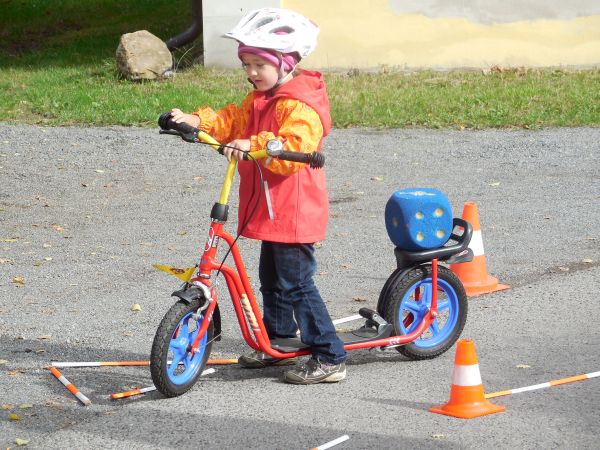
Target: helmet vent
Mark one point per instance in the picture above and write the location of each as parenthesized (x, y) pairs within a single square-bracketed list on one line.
[(283, 30), (263, 22)]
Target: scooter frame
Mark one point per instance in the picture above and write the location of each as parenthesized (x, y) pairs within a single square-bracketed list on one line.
[(244, 301)]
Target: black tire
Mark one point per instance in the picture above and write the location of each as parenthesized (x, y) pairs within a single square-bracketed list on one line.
[(385, 291), (174, 381), (404, 311)]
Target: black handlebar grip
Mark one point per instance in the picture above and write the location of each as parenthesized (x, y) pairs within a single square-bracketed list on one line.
[(167, 123), (316, 160)]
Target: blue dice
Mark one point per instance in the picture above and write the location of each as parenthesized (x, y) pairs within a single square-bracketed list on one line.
[(418, 219)]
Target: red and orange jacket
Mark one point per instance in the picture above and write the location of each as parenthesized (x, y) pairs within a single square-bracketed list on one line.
[(294, 206)]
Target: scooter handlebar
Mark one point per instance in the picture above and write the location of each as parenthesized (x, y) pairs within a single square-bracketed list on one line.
[(166, 122), (315, 160)]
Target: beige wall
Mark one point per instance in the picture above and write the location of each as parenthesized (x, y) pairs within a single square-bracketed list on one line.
[(370, 34), (438, 34)]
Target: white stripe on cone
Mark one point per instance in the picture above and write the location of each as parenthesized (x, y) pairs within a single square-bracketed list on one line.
[(466, 375), (476, 243)]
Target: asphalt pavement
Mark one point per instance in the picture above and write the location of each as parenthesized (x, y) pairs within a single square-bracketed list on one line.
[(85, 212)]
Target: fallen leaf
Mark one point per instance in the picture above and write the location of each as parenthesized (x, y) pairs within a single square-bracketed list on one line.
[(57, 227), (359, 299), (44, 337), (3, 361), (523, 366), (45, 245), (21, 441), (136, 308), (318, 245), (127, 333), (344, 330), (377, 178), (13, 416), (182, 233), (588, 261), (5, 261), (7, 406), (16, 372), (25, 406), (346, 266), (563, 269), (495, 184), (437, 435), (48, 258), (9, 240), (99, 171), (19, 280)]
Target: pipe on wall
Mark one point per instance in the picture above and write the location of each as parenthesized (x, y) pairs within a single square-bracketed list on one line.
[(192, 32)]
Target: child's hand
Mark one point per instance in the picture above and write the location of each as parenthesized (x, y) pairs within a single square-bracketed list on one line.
[(180, 117), (240, 146)]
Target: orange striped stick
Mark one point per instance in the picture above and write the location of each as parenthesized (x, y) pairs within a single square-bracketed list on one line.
[(221, 362), (332, 443), (132, 392), (99, 363), (147, 389), (534, 387), (212, 362), (72, 389)]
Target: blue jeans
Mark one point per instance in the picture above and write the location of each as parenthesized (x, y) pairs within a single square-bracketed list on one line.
[(288, 291)]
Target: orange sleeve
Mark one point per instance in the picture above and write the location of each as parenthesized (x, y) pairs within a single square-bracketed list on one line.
[(300, 130), (226, 124)]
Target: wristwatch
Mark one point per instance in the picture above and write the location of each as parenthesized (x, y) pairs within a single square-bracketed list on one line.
[(274, 147)]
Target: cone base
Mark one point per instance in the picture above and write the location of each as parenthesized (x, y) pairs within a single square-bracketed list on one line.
[(469, 411), (490, 284)]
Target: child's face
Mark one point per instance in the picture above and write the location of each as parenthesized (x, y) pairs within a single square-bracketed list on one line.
[(261, 72)]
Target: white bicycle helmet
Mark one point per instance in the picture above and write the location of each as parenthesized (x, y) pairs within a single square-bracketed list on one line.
[(281, 30)]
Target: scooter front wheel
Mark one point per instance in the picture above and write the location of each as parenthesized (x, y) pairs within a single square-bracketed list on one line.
[(409, 300), (173, 367)]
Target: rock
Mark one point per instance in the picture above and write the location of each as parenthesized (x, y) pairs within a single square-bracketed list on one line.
[(143, 56)]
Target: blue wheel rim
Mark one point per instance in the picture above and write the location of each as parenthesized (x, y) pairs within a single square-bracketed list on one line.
[(181, 366), (412, 311)]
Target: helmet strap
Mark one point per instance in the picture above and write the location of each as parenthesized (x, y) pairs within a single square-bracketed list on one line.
[(283, 77)]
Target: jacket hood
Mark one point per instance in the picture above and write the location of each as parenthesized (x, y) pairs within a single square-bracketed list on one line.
[(309, 87)]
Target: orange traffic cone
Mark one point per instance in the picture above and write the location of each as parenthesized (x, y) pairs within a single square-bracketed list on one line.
[(467, 399), (474, 274)]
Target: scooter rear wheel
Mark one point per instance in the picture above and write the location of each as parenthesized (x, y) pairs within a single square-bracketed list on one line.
[(407, 299), (174, 369)]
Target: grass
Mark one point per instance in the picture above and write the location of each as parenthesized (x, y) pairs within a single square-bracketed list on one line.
[(57, 67)]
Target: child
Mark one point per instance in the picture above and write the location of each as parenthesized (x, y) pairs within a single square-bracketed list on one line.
[(289, 106)]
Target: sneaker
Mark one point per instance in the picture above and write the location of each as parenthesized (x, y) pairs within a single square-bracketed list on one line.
[(256, 360), (315, 371)]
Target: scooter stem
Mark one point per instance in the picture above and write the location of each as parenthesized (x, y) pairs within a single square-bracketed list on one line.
[(434, 287)]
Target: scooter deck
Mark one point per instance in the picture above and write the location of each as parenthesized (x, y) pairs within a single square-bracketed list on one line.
[(363, 334)]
